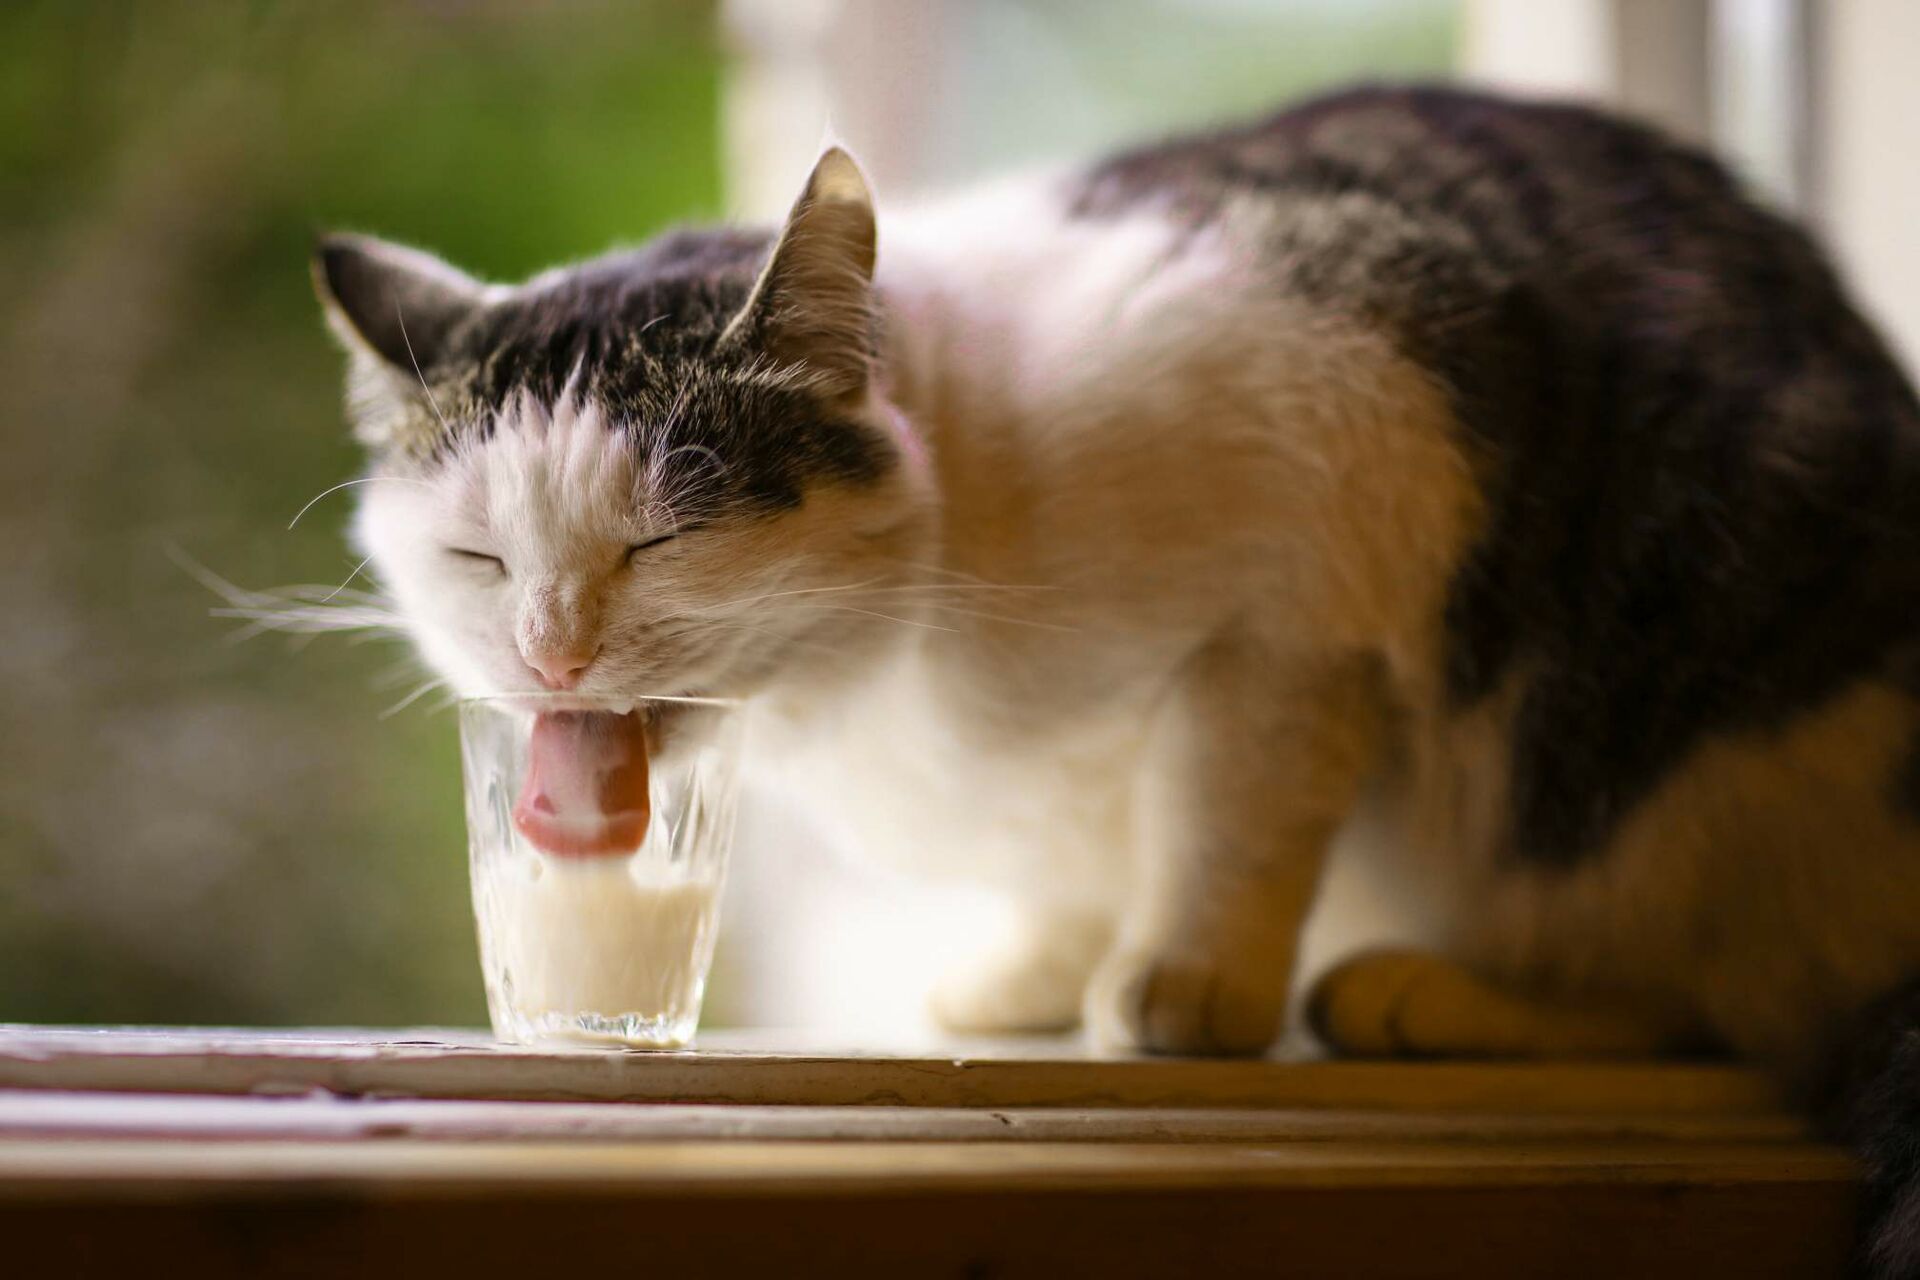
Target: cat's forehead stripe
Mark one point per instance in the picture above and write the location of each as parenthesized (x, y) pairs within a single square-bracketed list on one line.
[(636, 335)]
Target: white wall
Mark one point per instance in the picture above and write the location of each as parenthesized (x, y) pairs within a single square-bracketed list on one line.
[(1816, 102), (1648, 57), (1548, 47), (1867, 111)]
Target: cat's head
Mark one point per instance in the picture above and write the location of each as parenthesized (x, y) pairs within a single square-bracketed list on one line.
[(667, 471)]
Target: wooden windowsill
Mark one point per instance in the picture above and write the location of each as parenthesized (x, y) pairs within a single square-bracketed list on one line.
[(262, 1152)]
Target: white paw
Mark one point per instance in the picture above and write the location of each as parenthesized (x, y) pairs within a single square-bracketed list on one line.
[(998, 998), (1032, 985), (1185, 1002)]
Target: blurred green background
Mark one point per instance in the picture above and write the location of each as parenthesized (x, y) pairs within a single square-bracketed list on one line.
[(197, 830), (190, 829)]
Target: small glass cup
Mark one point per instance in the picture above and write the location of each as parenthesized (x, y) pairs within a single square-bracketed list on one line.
[(609, 948)]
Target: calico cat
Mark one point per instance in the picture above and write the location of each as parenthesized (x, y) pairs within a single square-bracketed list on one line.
[(1496, 472)]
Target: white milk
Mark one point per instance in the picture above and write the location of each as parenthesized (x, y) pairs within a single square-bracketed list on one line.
[(594, 950)]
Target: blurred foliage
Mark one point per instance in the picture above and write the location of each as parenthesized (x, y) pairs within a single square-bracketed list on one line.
[(197, 830)]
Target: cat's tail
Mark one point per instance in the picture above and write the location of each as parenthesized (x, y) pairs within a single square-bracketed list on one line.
[(1871, 1102)]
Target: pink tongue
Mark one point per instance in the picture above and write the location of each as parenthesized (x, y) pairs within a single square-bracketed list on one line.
[(585, 795)]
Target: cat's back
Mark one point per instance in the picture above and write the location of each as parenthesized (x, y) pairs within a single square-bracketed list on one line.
[(1407, 203), (1700, 464)]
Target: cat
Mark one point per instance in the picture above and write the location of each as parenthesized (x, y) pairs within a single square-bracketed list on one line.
[(1494, 473)]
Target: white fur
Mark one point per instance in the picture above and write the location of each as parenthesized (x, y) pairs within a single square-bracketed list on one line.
[(559, 497)]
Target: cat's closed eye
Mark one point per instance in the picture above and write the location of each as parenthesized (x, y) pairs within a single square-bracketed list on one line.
[(479, 558), (638, 547)]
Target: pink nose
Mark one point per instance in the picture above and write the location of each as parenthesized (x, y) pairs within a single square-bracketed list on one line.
[(559, 670)]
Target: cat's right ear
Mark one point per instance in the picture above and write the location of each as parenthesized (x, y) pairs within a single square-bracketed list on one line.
[(812, 307), (396, 310)]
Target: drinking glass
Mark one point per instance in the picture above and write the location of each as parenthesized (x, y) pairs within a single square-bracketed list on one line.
[(598, 834)]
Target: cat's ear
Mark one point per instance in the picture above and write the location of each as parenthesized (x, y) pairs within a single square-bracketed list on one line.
[(395, 310), (813, 305), (395, 304)]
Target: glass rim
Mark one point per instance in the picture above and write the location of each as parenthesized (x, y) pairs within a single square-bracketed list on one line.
[(595, 701)]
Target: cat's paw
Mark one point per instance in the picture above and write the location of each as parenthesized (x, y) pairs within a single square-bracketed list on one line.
[(998, 998), (1031, 985), (1184, 1002), (1360, 1007), (1393, 1003)]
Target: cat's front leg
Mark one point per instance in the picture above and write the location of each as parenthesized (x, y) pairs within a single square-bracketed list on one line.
[(1252, 763)]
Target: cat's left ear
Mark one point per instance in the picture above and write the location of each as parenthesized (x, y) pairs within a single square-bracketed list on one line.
[(396, 304), (396, 310), (813, 305)]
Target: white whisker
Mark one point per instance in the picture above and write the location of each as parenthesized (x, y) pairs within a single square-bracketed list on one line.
[(396, 674), (204, 576), (307, 618), (672, 419), (797, 641), (348, 484), (874, 586), (329, 597), (1000, 617), (431, 402), (301, 610), (418, 693), (713, 456), (873, 613), (798, 591)]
